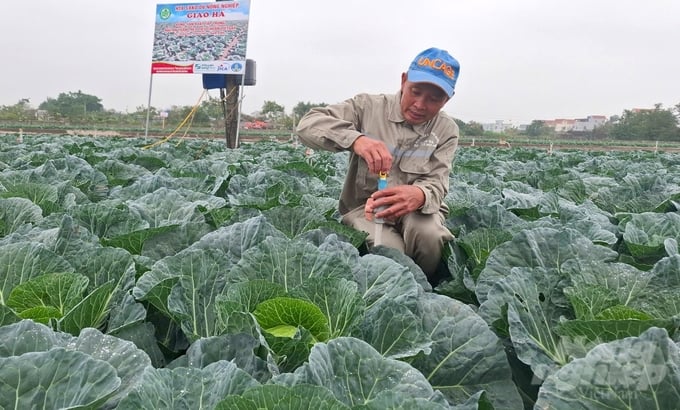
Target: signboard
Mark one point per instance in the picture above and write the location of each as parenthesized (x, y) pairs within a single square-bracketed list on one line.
[(201, 38)]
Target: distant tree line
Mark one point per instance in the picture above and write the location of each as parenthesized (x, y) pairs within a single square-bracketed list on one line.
[(656, 124), (79, 108), (82, 109)]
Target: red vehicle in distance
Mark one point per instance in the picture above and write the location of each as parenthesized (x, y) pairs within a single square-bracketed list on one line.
[(255, 125)]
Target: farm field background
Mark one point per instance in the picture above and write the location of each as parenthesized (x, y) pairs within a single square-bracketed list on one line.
[(147, 273), (568, 142)]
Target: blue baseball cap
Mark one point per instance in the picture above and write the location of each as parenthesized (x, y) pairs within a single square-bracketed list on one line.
[(435, 66)]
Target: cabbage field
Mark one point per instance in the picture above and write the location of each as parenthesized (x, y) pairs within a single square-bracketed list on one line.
[(184, 275)]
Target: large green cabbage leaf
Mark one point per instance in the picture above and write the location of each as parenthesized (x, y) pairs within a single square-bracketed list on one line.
[(239, 348), (466, 357), (631, 373), (302, 397), (16, 212), (188, 387), (185, 287), (21, 261), (56, 366), (391, 319), (358, 374), (546, 248), (55, 379), (534, 302), (644, 234)]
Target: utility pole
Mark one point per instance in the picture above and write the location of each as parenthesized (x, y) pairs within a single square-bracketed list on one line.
[(230, 108), (230, 99)]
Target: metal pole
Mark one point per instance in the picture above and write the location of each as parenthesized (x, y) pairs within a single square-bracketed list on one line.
[(148, 108), (240, 100), (232, 112), (223, 102)]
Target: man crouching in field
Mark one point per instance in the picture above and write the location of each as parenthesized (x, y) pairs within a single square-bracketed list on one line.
[(407, 136)]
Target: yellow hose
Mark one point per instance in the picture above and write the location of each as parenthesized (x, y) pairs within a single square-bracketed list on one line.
[(189, 117)]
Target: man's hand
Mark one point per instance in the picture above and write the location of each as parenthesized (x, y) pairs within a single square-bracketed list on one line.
[(399, 201), (374, 152)]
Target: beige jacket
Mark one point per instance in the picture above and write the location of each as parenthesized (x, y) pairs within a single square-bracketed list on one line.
[(422, 154)]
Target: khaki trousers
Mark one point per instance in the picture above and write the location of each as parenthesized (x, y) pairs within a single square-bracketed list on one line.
[(420, 236)]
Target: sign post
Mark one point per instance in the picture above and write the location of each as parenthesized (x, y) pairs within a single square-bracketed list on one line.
[(163, 115), (203, 38), (231, 104)]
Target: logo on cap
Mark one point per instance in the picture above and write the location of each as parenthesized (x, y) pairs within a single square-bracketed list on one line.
[(437, 64)]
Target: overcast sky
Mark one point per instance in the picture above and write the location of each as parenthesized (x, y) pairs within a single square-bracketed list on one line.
[(520, 59)]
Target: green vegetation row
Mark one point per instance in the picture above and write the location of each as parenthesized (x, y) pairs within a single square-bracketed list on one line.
[(145, 273), (485, 139)]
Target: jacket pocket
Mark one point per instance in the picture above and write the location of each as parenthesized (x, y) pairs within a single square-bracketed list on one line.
[(417, 161)]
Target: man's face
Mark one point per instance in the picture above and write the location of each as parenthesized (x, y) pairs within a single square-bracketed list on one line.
[(420, 102)]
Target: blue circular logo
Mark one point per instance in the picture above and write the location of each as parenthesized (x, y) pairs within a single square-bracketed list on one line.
[(236, 67)]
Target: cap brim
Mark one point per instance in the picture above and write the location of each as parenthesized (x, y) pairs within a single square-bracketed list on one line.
[(416, 76)]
